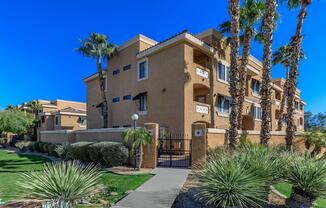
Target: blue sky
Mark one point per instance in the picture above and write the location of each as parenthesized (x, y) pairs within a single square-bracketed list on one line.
[(38, 38)]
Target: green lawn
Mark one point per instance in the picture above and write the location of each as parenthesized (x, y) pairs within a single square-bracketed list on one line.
[(13, 165), (286, 190)]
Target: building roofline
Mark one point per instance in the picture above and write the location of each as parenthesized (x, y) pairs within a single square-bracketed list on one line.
[(135, 39), (183, 36), (69, 101), (92, 76)]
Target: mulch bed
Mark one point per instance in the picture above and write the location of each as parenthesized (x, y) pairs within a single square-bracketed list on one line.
[(22, 204)]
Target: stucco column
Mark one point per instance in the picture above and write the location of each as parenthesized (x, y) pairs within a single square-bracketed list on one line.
[(150, 151), (198, 144)]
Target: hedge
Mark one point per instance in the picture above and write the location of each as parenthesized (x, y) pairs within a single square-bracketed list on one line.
[(78, 151), (108, 153)]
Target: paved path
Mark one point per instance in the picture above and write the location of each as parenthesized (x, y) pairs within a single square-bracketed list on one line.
[(158, 192)]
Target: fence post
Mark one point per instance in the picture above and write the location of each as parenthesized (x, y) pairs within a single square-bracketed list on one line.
[(150, 151), (198, 143)]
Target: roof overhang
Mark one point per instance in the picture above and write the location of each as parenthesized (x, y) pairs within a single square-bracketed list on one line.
[(139, 95), (93, 76), (177, 39)]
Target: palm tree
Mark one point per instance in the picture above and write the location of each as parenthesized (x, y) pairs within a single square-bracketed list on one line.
[(282, 55), (35, 106), (140, 137), (266, 104), (295, 57), (250, 15), (97, 46), (11, 107), (234, 11)]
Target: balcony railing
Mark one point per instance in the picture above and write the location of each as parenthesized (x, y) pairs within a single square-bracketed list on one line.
[(200, 75)]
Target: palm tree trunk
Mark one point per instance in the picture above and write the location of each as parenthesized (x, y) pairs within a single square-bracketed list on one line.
[(284, 97), (266, 105), (211, 92), (293, 76), (242, 74), (103, 95), (234, 10), (140, 157)]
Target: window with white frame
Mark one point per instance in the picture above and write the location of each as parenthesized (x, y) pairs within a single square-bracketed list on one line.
[(142, 70), (223, 104), (255, 87), (56, 120), (256, 112), (142, 103), (223, 72)]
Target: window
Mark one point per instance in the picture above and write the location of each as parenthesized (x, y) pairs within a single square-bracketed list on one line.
[(127, 97), (115, 126), (284, 118), (116, 100), (301, 107), (256, 112), (223, 72), (127, 67), (43, 119), (296, 105), (223, 104), (116, 72), (82, 120), (126, 126), (142, 70), (56, 120), (143, 103), (255, 87)]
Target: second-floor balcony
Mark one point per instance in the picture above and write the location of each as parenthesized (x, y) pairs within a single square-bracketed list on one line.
[(199, 75)]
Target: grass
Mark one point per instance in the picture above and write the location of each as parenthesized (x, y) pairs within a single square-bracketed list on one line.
[(12, 165), (286, 190)]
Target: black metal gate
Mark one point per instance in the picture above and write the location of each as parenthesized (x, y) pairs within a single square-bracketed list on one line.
[(174, 151)]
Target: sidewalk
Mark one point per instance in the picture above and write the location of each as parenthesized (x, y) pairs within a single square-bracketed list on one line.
[(159, 192)]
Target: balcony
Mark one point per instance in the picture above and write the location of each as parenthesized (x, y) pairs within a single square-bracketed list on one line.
[(199, 75), (202, 112)]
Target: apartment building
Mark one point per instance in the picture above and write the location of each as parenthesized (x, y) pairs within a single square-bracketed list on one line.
[(60, 115), (178, 82)]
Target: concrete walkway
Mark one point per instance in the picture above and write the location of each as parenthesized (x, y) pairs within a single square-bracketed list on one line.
[(158, 192)]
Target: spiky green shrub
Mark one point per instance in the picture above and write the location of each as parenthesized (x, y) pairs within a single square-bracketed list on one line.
[(78, 151), (62, 182), (227, 183), (307, 174)]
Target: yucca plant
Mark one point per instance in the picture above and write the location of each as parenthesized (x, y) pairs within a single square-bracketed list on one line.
[(61, 184), (227, 183), (307, 174)]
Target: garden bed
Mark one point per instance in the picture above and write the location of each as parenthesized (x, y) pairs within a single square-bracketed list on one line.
[(12, 165)]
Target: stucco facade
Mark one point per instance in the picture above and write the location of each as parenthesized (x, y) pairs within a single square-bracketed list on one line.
[(174, 83)]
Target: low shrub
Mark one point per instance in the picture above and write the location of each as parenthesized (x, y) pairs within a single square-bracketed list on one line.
[(108, 153), (227, 183), (307, 174), (3, 142), (62, 183), (62, 151), (78, 151), (24, 145)]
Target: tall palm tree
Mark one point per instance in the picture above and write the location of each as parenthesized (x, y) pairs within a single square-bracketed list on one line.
[(251, 13), (11, 107), (35, 106), (97, 46), (266, 104), (234, 11), (283, 55), (295, 57), (140, 138)]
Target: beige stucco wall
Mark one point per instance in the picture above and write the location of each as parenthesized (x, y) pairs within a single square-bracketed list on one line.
[(93, 98), (92, 135)]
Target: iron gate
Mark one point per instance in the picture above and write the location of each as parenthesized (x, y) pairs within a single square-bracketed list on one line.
[(174, 151)]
